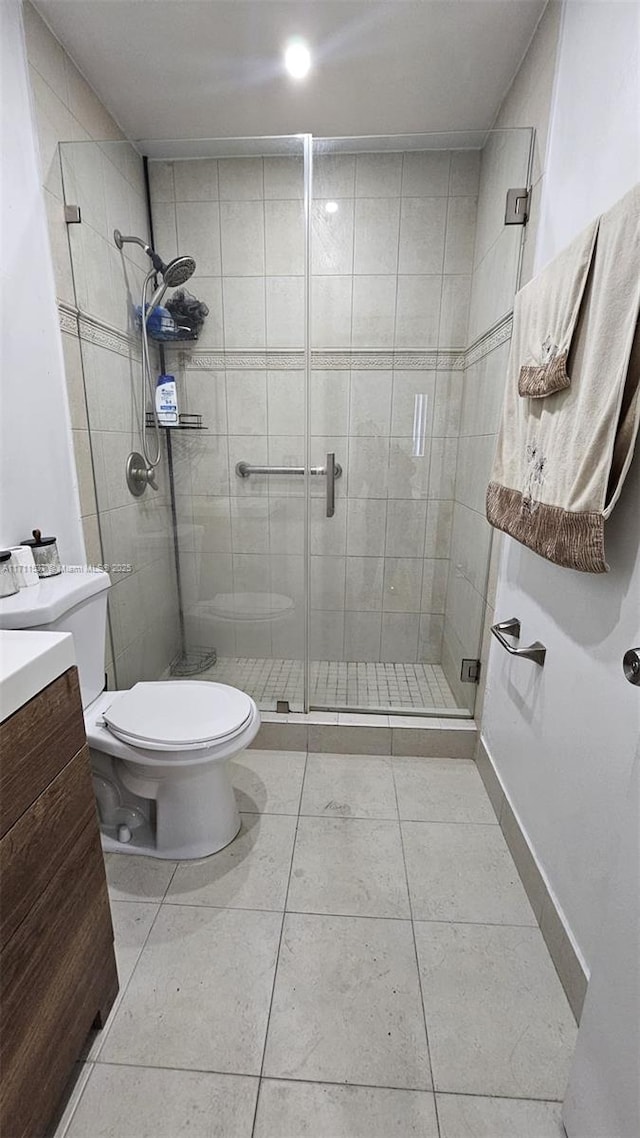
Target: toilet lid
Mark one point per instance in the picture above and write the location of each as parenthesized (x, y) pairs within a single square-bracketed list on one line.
[(178, 715)]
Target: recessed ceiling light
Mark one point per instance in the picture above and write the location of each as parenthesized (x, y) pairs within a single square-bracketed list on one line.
[(331, 207), (297, 58)]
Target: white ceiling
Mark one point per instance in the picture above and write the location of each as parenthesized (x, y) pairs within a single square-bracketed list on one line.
[(213, 68)]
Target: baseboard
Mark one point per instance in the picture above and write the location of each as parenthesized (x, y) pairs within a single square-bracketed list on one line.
[(558, 940)]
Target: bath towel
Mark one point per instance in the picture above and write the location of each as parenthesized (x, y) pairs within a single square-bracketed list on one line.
[(549, 315), (561, 460)]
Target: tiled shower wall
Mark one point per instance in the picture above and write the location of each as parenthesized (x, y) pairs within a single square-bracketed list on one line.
[(391, 271), (96, 287)]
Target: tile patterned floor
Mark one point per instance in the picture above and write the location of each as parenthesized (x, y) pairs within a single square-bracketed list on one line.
[(361, 962), (419, 686)]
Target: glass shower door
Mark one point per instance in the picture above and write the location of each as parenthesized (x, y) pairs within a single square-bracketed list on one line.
[(413, 274)]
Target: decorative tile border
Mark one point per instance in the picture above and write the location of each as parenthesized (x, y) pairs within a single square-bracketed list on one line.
[(326, 360), (68, 317), (95, 331), (499, 334)]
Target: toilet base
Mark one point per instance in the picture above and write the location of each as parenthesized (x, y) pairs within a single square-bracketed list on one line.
[(174, 819), (146, 847)]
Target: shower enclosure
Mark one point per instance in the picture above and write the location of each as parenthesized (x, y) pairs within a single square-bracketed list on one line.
[(320, 534)]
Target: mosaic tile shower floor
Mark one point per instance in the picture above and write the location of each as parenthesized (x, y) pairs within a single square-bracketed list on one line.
[(360, 685)]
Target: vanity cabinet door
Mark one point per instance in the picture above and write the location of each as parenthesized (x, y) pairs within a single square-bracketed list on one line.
[(36, 742)]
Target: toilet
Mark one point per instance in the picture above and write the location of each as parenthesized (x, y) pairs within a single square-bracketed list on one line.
[(159, 751)]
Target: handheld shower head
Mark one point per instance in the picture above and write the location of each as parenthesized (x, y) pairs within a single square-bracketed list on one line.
[(175, 273), (178, 271)]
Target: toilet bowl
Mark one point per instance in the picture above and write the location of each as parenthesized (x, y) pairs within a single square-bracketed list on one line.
[(169, 744), (159, 750)]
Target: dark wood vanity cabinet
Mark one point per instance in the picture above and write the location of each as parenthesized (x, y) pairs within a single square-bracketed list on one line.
[(58, 973)]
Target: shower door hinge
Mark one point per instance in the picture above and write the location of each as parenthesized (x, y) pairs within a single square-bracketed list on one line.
[(72, 214), (517, 207), (470, 671)]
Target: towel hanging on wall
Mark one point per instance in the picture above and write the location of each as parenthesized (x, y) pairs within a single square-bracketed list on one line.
[(548, 316), (562, 456)]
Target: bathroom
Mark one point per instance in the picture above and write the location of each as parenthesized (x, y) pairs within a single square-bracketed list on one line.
[(418, 911)]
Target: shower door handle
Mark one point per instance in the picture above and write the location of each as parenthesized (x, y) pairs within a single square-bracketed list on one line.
[(331, 483)]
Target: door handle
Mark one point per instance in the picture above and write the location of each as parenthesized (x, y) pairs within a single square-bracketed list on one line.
[(331, 483), (535, 651), (631, 666)]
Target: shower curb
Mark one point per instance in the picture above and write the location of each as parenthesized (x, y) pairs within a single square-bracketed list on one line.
[(370, 735)]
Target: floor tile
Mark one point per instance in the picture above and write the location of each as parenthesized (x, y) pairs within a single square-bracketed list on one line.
[(441, 790), (498, 1020), (252, 872), (132, 923), (346, 1004), (268, 782), (134, 878), (199, 996), (324, 1110), (463, 872), (352, 866), (349, 787), (139, 1102), (332, 682), (464, 1116)]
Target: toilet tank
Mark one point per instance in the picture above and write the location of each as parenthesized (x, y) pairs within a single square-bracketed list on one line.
[(74, 602)]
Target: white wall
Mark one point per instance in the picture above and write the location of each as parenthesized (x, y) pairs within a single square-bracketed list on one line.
[(37, 476), (562, 739), (603, 1096)]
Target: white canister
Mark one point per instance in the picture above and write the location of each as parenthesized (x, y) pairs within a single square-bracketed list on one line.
[(45, 554), (24, 567), (7, 581)]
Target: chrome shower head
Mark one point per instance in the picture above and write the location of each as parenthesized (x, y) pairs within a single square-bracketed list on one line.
[(175, 273), (178, 271)]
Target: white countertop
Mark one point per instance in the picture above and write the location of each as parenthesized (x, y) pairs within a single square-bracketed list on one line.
[(29, 661)]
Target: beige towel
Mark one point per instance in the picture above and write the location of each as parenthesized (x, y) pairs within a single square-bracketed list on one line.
[(548, 312), (561, 460)]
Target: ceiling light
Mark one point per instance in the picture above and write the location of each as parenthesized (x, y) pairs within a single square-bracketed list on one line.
[(297, 58), (331, 207)]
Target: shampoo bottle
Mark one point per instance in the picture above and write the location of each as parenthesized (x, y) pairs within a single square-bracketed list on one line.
[(167, 401)]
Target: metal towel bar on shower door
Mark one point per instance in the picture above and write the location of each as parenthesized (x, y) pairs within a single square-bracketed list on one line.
[(535, 651), (332, 469)]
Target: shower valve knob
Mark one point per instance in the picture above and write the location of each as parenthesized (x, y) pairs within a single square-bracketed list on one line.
[(139, 474)]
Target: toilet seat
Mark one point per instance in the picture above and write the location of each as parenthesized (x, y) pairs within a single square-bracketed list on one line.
[(184, 716)]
